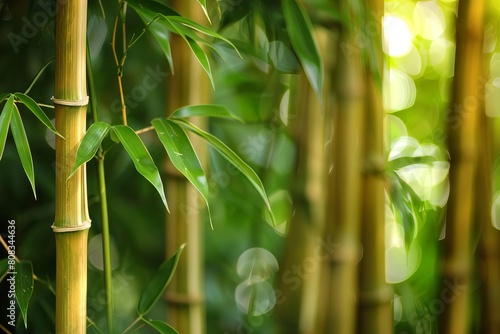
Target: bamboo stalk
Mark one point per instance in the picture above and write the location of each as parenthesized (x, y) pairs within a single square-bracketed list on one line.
[(71, 214), (338, 301), (375, 295), (489, 248), (185, 295), (463, 149), (297, 302)]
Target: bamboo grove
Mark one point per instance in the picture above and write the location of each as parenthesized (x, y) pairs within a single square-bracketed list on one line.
[(317, 166)]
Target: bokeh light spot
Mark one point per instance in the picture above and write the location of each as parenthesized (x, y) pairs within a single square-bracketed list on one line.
[(411, 63), (95, 256), (397, 40), (401, 91), (428, 19), (256, 264), (495, 211), (256, 298), (441, 57)]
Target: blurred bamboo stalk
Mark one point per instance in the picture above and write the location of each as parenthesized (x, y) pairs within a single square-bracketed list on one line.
[(338, 297), (72, 221), (296, 306), (463, 126), (189, 85), (489, 248), (375, 295)]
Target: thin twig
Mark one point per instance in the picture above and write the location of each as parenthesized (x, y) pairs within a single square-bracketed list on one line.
[(131, 325), (5, 329), (149, 128)]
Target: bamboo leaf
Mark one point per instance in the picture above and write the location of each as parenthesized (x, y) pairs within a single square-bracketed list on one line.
[(182, 155), (5, 122), (206, 110), (90, 144), (147, 11), (161, 326), (141, 158), (158, 283), (300, 32), (234, 159), (200, 28), (201, 56), (23, 147), (195, 48), (4, 268), (24, 287), (160, 19), (37, 111), (407, 161), (203, 4)]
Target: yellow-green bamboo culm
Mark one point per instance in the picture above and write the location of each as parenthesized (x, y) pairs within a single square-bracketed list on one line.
[(185, 294), (375, 295), (488, 263), (463, 126), (338, 298), (71, 214), (296, 305)]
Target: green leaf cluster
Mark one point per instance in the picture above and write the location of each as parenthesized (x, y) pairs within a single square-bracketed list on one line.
[(161, 20), (11, 117), (289, 32), (172, 135)]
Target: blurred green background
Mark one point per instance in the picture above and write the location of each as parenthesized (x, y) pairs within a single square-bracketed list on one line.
[(419, 47)]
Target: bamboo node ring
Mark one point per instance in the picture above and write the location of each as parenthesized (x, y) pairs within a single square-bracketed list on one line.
[(76, 228), (71, 103)]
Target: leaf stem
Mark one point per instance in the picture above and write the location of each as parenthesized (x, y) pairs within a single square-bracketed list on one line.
[(119, 64), (39, 74), (149, 128), (131, 325), (108, 279)]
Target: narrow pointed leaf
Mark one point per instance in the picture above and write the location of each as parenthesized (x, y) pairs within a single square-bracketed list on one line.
[(205, 110), (5, 122), (300, 32), (200, 28), (24, 287), (203, 4), (147, 11), (234, 159), (141, 158), (23, 147), (158, 283), (4, 268), (161, 326), (37, 111), (202, 58), (90, 144), (182, 155)]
